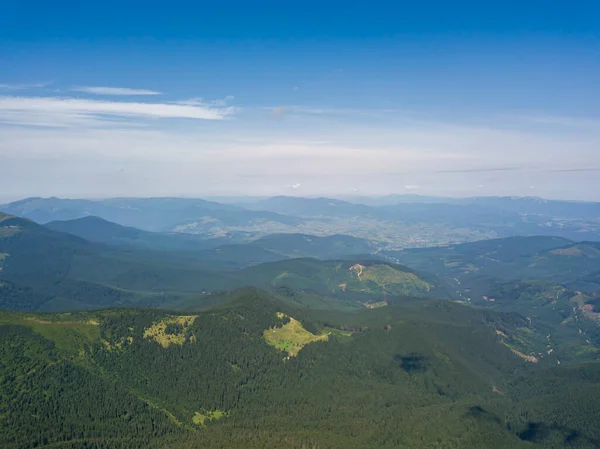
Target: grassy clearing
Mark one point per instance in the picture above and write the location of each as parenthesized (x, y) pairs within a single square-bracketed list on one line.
[(200, 419), (292, 337), (384, 278), (528, 358), (118, 344), (70, 335), (374, 305), (170, 331)]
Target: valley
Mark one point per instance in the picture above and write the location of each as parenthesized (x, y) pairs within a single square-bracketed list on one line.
[(168, 339), (391, 224)]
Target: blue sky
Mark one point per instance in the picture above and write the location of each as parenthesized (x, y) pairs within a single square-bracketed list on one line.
[(312, 98)]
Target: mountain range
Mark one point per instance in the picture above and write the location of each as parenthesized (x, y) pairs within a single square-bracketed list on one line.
[(391, 223), (115, 336), (255, 372)]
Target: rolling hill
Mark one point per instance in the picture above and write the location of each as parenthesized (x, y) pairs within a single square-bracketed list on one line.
[(348, 278), (43, 269), (302, 245), (551, 258), (309, 207), (391, 225), (149, 214), (36, 267), (98, 230), (407, 375), (551, 281), (95, 229)]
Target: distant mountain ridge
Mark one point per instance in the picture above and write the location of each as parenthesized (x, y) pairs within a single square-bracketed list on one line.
[(309, 207), (43, 267), (393, 224), (150, 214), (97, 229)]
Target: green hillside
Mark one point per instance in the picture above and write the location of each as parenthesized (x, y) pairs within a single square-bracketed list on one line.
[(549, 258), (149, 214), (95, 229), (236, 245), (302, 245), (46, 270), (418, 373), (549, 280), (351, 278)]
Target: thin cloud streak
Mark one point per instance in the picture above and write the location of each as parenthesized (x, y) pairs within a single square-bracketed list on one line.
[(81, 139), (481, 170), (117, 91), (23, 86), (568, 170), (60, 111)]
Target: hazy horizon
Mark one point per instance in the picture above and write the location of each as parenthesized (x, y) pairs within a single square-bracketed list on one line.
[(352, 198)]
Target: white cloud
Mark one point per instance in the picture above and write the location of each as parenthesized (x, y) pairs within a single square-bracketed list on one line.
[(61, 112), (199, 101), (23, 86), (83, 138), (114, 91)]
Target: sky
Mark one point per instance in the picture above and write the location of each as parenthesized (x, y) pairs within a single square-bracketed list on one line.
[(102, 99)]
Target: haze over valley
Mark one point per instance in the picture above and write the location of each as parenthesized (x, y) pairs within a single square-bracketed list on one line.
[(88, 293)]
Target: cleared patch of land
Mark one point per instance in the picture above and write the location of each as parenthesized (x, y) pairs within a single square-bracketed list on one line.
[(374, 305), (201, 418), (170, 331), (70, 335), (526, 357), (291, 337), (384, 274)]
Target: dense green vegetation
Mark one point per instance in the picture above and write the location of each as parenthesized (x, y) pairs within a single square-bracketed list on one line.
[(331, 354), (418, 373), (236, 248), (301, 245), (550, 258), (352, 279), (551, 281), (46, 270), (99, 230)]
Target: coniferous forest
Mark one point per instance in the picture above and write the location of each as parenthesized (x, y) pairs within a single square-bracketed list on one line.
[(116, 346), (418, 373)]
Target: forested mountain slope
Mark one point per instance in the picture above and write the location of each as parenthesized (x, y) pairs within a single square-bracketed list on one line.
[(150, 214), (43, 269), (97, 229), (418, 373)]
